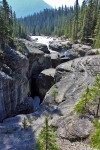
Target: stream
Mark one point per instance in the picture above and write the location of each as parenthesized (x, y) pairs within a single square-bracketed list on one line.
[(43, 40), (65, 54)]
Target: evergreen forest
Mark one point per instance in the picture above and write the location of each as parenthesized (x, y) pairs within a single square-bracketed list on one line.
[(10, 27), (78, 22)]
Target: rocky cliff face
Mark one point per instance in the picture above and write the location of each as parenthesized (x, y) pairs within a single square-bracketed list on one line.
[(38, 61), (18, 75), (14, 86), (45, 81), (71, 79)]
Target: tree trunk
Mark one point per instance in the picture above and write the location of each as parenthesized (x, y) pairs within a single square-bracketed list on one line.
[(46, 134), (98, 108)]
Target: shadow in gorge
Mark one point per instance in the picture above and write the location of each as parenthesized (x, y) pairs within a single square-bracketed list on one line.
[(34, 94), (15, 137), (33, 89)]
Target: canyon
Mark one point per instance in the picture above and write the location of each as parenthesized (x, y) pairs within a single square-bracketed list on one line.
[(44, 67)]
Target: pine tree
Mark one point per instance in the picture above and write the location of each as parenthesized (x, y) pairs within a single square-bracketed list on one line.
[(78, 22), (75, 22), (97, 33), (82, 19), (89, 97), (82, 106), (96, 94), (47, 138), (6, 24), (2, 29), (87, 29)]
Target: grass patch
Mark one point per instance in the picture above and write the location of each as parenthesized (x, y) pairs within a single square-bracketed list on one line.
[(95, 139), (80, 107)]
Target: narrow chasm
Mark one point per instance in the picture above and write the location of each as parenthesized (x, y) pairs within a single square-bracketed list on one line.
[(33, 87), (34, 94)]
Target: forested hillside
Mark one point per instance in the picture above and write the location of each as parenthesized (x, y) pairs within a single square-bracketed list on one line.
[(78, 22), (9, 26)]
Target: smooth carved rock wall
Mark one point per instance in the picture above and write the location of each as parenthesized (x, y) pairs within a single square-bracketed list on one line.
[(14, 85), (72, 78)]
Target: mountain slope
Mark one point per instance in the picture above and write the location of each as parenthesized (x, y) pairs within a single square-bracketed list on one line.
[(27, 7)]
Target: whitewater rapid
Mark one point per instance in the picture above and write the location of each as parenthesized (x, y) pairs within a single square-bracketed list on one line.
[(43, 40)]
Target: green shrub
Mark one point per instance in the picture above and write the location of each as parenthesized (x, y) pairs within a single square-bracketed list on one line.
[(89, 96), (54, 93), (95, 138), (96, 124), (82, 105), (25, 123)]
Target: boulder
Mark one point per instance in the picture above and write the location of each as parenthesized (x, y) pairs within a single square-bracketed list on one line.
[(67, 55), (43, 48), (45, 81), (80, 49), (60, 44), (56, 47), (74, 128), (55, 59), (34, 45), (93, 52)]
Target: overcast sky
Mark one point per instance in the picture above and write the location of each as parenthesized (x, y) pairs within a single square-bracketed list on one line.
[(57, 3)]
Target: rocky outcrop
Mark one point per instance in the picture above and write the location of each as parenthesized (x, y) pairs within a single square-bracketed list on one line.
[(55, 47), (55, 59), (74, 128), (45, 81), (60, 44), (18, 75), (34, 45), (72, 78), (38, 61), (93, 52), (80, 49), (43, 48), (14, 85)]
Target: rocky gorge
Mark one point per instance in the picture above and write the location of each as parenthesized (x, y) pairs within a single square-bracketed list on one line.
[(42, 69)]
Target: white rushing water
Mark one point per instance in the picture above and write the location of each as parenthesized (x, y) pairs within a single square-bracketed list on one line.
[(43, 40)]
